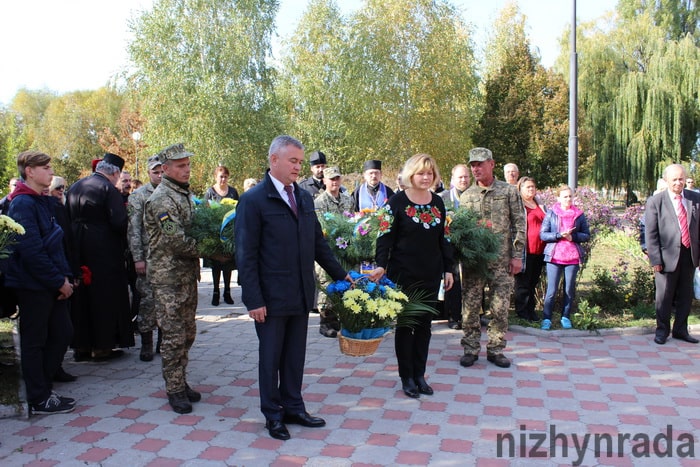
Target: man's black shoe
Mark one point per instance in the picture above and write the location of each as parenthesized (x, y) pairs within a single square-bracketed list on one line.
[(499, 360), (685, 337), (277, 429), (661, 340), (409, 388), (179, 402), (423, 386), (528, 317), (468, 360), (454, 324), (62, 376), (304, 419), (192, 395)]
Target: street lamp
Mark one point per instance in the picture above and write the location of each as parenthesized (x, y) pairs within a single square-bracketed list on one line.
[(136, 136)]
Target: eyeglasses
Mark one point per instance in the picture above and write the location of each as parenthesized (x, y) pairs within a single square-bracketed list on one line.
[(60, 187)]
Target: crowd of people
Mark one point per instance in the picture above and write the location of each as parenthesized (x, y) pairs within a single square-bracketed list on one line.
[(99, 256)]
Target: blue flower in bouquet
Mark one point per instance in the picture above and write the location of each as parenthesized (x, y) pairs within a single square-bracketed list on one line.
[(365, 305)]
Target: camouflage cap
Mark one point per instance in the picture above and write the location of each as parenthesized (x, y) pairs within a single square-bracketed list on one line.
[(480, 155), (153, 162), (331, 172), (174, 152)]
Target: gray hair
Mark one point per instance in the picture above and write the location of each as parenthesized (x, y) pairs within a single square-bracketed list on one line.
[(281, 142), (107, 168), (672, 166)]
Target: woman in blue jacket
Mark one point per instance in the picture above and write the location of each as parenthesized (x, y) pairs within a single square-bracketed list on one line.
[(39, 273), (563, 230)]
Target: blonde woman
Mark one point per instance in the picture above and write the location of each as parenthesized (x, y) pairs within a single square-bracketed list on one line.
[(416, 255)]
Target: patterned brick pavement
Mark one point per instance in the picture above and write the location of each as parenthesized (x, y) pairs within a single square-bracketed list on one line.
[(560, 389)]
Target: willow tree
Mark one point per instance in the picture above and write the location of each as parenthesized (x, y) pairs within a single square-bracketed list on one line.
[(409, 82), (202, 77), (639, 82), (311, 79), (525, 114)]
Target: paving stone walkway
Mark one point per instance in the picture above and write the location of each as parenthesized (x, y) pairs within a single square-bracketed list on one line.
[(566, 392)]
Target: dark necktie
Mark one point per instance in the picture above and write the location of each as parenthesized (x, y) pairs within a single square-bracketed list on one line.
[(290, 195), (683, 219)]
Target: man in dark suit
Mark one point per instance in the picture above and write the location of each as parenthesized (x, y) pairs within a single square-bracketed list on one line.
[(672, 231), (278, 238)]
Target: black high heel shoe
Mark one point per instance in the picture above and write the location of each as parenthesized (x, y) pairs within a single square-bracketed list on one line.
[(423, 386), (409, 388)]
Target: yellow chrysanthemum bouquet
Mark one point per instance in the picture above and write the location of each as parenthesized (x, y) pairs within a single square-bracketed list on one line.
[(368, 310), (9, 229)]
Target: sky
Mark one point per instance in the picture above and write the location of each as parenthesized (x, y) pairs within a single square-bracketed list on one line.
[(69, 45)]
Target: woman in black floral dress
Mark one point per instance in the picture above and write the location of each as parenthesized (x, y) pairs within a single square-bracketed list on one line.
[(416, 255)]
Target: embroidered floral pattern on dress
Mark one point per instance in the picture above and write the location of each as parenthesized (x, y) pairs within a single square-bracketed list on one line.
[(428, 216)]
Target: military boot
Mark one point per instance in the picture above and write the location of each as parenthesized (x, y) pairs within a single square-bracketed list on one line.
[(146, 354), (179, 402), (192, 395)]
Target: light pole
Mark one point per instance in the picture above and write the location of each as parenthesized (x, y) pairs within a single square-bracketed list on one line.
[(136, 136)]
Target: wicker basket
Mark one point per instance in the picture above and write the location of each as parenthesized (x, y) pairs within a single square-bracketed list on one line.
[(358, 347)]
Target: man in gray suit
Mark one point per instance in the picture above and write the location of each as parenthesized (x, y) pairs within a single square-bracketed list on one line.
[(672, 231)]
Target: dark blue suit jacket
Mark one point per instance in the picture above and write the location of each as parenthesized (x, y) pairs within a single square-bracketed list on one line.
[(275, 251)]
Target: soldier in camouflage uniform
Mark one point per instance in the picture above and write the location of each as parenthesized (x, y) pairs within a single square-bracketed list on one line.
[(335, 201), (138, 245), (499, 203), (173, 270)]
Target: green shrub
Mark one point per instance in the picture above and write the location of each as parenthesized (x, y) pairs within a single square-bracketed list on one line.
[(586, 317)]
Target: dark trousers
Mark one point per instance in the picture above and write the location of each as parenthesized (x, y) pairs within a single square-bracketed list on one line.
[(526, 286), (45, 330), (674, 288), (282, 351), (411, 345)]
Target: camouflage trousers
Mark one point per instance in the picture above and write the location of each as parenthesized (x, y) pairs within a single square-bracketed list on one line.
[(176, 307), (320, 300), (146, 319), (501, 286)]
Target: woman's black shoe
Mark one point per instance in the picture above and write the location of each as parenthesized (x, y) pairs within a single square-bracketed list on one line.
[(215, 299), (227, 297), (423, 386), (409, 388)]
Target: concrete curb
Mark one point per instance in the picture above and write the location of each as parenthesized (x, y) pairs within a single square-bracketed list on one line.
[(631, 331)]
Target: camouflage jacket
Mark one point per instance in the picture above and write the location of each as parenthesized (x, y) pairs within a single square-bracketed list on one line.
[(173, 257), (501, 204), (325, 202), (136, 234)]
